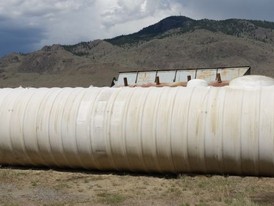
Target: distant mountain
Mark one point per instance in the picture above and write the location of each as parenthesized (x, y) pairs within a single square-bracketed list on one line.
[(156, 30), (259, 30), (175, 42)]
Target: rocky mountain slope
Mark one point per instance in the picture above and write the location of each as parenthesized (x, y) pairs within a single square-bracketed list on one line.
[(174, 43)]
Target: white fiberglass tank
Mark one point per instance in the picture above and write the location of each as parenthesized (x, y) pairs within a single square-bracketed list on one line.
[(227, 130), (252, 81)]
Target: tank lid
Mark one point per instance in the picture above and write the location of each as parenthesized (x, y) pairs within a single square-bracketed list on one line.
[(252, 81), (197, 83)]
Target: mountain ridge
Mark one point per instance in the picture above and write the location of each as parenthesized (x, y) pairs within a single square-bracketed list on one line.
[(229, 26)]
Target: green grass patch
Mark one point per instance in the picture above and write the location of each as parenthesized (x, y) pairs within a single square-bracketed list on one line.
[(111, 198)]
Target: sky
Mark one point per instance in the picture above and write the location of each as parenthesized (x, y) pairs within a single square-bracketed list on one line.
[(28, 25)]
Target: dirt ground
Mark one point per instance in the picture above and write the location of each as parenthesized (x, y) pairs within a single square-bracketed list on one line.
[(40, 186)]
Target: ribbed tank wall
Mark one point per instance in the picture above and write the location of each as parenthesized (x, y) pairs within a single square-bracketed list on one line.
[(197, 129)]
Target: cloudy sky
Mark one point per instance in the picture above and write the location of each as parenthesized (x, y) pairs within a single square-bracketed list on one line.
[(28, 25)]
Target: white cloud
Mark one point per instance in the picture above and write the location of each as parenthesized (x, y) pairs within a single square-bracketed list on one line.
[(124, 17), (126, 11), (106, 19)]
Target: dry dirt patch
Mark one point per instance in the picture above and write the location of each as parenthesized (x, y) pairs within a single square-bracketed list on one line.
[(22, 186)]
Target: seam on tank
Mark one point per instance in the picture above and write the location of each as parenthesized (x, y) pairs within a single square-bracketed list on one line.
[(187, 129), (124, 127), (82, 93), (111, 102), (48, 120), (141, 127), (91, 127), (23, 126), (170, 128)]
